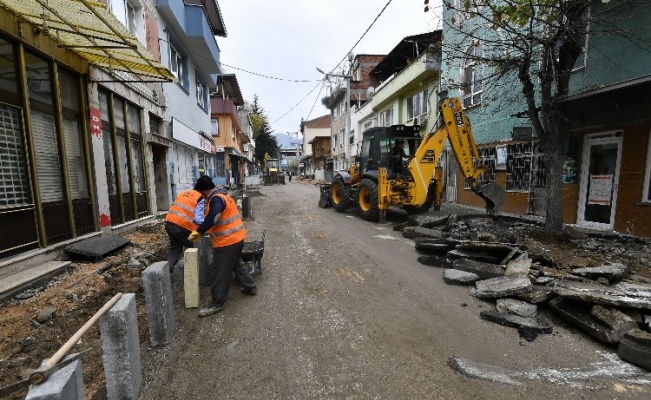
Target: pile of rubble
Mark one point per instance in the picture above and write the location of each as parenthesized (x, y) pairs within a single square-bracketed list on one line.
[(599, 283)]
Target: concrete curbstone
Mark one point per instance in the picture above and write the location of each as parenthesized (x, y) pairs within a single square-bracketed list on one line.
[(159, 303)]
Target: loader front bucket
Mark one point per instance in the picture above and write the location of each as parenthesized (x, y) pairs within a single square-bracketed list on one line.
[(493, 195)]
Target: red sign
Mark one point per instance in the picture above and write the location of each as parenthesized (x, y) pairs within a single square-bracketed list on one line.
[(96, 123)]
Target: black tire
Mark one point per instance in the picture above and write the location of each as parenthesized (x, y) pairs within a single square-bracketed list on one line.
[(367, 200), (340, 194), (414, 210)]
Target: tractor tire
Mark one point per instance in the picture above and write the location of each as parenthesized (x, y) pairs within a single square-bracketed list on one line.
[(415, 210), (367, 200), (340, 194)]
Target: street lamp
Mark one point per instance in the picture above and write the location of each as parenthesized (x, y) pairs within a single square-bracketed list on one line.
[(347, 122)]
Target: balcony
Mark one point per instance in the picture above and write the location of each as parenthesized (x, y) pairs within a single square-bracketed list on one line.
[(190, 26), (426, 66)]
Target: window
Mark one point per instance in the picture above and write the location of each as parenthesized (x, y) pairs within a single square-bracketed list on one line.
[(202, 100), (417, 105), (233, 132), (131, 19), (386, 117), (472, 71), (214, 127), (178, 65), (581, 59)]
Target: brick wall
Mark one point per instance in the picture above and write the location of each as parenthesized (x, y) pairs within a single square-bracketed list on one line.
[(631, 216)]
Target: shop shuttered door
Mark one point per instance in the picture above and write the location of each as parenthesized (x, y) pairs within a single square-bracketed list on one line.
[(17, 212), (50, 178)]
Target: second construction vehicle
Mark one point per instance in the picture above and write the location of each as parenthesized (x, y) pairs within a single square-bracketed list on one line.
[(398, 167)]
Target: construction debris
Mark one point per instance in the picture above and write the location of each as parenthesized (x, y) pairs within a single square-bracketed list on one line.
[(599, 283)]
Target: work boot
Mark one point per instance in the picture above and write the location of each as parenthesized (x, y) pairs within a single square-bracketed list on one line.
[(249, 291), (208, 311)]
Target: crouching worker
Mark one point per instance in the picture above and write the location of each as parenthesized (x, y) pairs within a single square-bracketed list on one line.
[(223, 224), (184, 216)]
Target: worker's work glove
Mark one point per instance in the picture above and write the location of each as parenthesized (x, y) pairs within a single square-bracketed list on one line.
[(194, 236)]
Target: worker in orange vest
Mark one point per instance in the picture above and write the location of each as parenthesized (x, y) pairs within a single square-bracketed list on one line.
[(182, 218), (223, 224)]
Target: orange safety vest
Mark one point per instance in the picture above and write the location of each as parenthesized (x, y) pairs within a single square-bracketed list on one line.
[(228, 229), (181, 212)]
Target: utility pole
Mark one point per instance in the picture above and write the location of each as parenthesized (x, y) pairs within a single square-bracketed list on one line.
[(347, 123)]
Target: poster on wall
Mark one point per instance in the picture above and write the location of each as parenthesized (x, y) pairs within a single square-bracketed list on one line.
[(601, 187), (501, 153)]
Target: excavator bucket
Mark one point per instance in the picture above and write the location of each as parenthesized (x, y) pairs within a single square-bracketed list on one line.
[(493, 195)]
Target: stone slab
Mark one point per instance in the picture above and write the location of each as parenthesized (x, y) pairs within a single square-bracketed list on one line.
[(614, 319), (517, 307), (599, 294), (516, 321), (434, 261), (606, 270), (518, 267), (579, 315), (456, 277), (433, 248), (635, 289), (483, 256), (504, 286), (97, 247), (66, 383), (635, 348), (482, 269), (538, 295)]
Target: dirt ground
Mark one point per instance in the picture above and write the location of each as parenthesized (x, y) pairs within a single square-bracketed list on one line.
[(85, 286)]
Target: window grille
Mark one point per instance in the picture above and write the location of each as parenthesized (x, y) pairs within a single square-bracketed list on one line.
[(13, 176), (487, 157), (518, 167)]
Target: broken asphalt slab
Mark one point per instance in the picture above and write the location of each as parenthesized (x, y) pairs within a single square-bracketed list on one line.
[(635, 348), (504, 286), (527, 327), (600, 294)]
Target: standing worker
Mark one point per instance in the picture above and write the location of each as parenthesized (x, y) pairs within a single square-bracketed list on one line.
[(223, 224), (184, 216)]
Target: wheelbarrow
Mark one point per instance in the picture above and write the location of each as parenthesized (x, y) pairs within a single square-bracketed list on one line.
[(252, 254)]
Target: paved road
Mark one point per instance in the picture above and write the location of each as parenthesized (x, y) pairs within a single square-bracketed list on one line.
[(345, 311)]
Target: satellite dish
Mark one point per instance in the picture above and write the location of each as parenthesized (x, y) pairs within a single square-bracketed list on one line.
[(370, 91)]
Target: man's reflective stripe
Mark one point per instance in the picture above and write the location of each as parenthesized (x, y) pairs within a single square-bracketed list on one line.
[(226, 232), (183, 206), (185, 217), (229, 220)]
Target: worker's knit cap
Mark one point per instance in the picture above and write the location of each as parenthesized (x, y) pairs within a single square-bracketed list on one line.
[(204, 183)]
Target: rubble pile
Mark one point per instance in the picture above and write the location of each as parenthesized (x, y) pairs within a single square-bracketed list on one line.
[(599, 283)]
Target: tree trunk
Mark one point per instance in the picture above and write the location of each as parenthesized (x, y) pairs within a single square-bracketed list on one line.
[(554, 201)]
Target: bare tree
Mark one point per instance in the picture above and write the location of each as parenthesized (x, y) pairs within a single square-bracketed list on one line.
[(533, 44)]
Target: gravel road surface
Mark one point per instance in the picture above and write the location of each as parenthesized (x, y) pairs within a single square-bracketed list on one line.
[(344, 311)]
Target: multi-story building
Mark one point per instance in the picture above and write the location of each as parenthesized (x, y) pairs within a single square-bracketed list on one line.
[(78, 93), (607, 169), (187, 30), (343, 143), (317, 127), (228, 132)]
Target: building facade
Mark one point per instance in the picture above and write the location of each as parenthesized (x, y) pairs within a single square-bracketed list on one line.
[(607, 168)]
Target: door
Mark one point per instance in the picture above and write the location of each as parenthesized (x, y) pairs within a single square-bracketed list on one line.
[(599, 180)]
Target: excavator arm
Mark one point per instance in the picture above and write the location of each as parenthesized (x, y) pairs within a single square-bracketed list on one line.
[(455, 128)]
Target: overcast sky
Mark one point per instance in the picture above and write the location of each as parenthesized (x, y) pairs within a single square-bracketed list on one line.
[(281, 41)]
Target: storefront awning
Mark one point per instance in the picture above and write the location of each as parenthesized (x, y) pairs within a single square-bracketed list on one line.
[(87, 28)]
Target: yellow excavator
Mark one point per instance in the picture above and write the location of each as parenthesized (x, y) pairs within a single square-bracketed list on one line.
[(385, 174)]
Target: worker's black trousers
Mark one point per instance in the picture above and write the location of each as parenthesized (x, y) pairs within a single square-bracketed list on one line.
[(225, 261), (178, 240)]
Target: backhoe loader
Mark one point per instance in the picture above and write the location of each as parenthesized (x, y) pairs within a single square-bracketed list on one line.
[(385, 175)]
